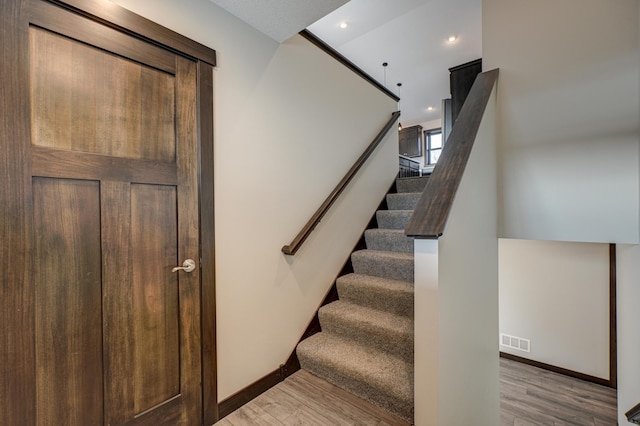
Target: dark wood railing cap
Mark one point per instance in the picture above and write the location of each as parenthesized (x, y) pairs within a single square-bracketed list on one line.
[(633, 415), (432, 211)]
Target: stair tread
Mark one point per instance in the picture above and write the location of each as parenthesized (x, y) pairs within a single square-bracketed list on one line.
[(387, 332), (411, 184), (404, 195), (403, 200), (385, 231), (396, 212), (380, 254), (393, 219), (386, 264), (378, 293), (387, 284), (388, 240), (359, 369), (370, 317)]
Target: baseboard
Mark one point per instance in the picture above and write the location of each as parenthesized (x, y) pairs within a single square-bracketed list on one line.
[(258, 387), (559, 370)]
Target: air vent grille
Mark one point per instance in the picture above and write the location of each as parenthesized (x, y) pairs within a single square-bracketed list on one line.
[(514, 342)]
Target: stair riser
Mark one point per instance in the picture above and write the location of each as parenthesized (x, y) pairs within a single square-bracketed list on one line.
[(397, 343), (416, 184), (393, 269), (393, 219), (403, 201), (388, 241), (399, 303)]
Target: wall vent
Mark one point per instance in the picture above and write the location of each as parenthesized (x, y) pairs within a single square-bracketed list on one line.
[(515, 342)]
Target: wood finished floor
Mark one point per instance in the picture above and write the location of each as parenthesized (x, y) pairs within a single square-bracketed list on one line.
[(529, 396), (304, 399)]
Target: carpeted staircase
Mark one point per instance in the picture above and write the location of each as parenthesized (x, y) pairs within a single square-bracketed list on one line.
[(366, 343)]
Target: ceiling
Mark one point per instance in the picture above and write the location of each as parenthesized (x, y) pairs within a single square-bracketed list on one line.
[(410, 35), (279, 19)]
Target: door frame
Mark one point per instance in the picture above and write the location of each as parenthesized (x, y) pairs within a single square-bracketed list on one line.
[(17, 388)]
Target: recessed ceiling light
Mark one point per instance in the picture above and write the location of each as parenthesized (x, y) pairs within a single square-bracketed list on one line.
[(452, 38), (343, 24), (430, 108)]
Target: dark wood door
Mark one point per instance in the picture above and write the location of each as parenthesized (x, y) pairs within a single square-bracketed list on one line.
[(111, 180)]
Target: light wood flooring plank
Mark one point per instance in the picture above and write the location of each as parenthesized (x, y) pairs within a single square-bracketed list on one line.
[(336, 410), (534, 397), (251, 414), (521, 422), (363, 405), (278, 403), (289, 409)]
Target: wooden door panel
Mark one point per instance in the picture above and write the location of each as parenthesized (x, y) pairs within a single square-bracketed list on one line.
[(132, 129), (117, 317), (71, 158), (85, 99), (154, 249), (67, 280)]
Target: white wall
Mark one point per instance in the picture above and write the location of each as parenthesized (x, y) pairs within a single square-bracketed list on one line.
[(289, 122), (426, 333), (556, 294), (568, 136), (628, 295), (567, 117), (456, 302)]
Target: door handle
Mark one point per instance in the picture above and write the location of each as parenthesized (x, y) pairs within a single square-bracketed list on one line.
[(188, 266)]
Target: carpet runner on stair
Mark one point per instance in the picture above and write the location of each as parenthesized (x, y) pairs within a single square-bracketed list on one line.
[(366, 343)]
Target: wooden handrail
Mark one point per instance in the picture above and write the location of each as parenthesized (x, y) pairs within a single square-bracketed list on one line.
[(294, 245), (432, 211), (633, 415)]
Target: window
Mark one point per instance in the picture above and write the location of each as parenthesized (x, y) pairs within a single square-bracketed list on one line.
[(433, 142)]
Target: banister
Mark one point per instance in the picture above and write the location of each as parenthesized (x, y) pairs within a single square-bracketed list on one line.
[(306, 230), (432, 211), (633, 415)]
